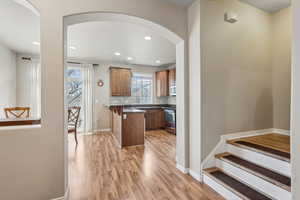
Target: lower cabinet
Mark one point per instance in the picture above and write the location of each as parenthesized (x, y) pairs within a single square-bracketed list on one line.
[(128, 128), (133, 129), (155, 119)]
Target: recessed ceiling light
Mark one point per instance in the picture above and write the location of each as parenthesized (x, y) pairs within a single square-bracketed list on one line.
[(158, 61), (72, 47), (36, 43), (129, 58), (117, 53), (148, 38)]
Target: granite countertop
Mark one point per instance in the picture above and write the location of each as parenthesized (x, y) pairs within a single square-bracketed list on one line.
[(144, 106), (133, 110)]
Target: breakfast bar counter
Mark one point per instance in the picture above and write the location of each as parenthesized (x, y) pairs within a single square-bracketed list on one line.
[(128, 126)]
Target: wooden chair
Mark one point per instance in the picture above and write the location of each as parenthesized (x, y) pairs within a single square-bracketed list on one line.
[(73, 118), (17, 112)]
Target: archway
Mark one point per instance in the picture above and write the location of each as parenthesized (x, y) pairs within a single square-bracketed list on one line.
[(181, 103)]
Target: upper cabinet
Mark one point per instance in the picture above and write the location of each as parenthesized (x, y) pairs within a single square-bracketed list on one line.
[(120, 81), (172, 82), (166, 83), (162, 83)]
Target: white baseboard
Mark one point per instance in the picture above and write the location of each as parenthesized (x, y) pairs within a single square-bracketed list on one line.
[(102, 130), (182, 169), (232, 136), (66, 197), (209, 161), (195, 175), (94, 132), (59, 198), (67, 194), (281, 131)]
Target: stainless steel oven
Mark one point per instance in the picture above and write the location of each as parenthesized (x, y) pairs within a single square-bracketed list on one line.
[(170, 117)]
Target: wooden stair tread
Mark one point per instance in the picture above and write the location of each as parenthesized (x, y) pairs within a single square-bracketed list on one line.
[(272, 140), (274, 145), (235, 186), (266, 174)]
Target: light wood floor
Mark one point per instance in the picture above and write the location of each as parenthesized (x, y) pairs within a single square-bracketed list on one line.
[(275, 141), (98, 170)]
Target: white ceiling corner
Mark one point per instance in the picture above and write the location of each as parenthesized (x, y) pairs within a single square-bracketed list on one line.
[(181, 2), (269, 5)]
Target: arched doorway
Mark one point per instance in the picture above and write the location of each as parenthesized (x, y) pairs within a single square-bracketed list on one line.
[(181, 103)]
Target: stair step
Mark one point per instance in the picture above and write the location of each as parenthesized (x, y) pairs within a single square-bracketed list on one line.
[(267, 150), (235, 186), (278, 165), (277, 179)]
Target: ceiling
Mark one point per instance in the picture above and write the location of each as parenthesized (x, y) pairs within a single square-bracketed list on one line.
[(19, 27), (93, 41), (269, 5), (181, 2), (101, 40)]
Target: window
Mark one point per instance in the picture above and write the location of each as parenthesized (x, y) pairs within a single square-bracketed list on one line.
[(80, 93), (74, 86), (142, 87), (74, 90)]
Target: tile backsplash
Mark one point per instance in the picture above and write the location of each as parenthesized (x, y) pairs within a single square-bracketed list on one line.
[(133, 100)]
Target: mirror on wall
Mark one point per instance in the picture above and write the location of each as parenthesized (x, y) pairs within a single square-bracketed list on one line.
[(20, 69)]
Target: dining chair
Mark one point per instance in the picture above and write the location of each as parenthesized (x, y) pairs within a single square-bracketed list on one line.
[(73, 119), (17, 112)]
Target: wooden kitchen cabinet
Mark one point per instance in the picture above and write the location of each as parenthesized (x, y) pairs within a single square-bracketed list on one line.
[(133, 130), (162, 83), (155, 119), (128, 127), (120, 81), (172, 82)]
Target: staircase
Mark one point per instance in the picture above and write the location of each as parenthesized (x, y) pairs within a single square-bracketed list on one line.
[(252, 168)]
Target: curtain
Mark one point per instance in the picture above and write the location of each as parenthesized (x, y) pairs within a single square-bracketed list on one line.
[(87, 96), (29, 86)]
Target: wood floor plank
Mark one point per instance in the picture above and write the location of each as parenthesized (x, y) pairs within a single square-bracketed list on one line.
[(99, 170), (273, 140)]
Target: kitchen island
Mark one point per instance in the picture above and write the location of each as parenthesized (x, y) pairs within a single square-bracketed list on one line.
[(128, 126), (157, 116)]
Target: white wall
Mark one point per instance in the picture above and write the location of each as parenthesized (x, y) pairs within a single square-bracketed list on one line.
[(195, 88), (41, 152), (295, 108), (7, 79), (236, 70), (281, 67), (28, 83)]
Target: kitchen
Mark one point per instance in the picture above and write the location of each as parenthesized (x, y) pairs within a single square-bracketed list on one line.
[(124, 85), (121, 78), (131, 121)]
